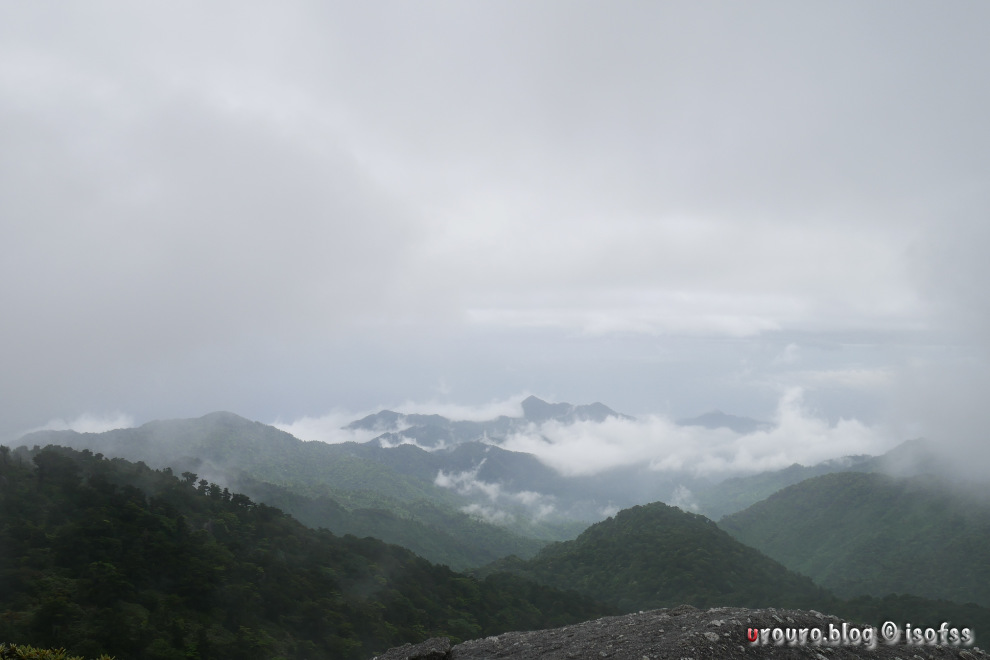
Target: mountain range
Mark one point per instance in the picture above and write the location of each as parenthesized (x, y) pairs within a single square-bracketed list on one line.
[(861, 536), (451, 478), (435, 431), (463, 501), (346, 488)]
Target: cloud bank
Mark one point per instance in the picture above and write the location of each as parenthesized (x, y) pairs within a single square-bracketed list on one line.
[(327, 428), (798, 436), (644, 204)]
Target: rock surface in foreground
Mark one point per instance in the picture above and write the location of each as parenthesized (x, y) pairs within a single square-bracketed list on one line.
[(678, 634)]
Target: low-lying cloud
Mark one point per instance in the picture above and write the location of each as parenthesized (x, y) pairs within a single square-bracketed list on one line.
[(328, 428), (497, 504), (683, 498), (798, 436), (89, 423)]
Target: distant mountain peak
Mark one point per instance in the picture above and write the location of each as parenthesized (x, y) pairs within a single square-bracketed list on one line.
[(537, 410), (224, 416), (384, 420), (438, 431)]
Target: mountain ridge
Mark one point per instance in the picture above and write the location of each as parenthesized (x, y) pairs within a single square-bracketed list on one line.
[(232, 450), (432, 431), (106, 555), (860, 533)]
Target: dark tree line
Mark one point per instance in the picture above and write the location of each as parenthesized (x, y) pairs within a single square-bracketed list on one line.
[(107, 556)]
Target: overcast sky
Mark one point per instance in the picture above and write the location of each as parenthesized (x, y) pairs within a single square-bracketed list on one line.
[(287, 209)]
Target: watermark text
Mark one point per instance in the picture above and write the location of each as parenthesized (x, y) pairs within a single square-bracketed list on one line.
[(868, 636)]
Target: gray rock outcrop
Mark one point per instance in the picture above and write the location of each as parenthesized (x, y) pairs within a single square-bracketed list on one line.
[(685, 633)]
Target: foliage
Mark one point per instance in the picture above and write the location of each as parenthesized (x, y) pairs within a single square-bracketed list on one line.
[(15, 652), (870, 534), (919, 612), (735, 494), (659, 556), (388, 494), (111, 556), (431, 530)]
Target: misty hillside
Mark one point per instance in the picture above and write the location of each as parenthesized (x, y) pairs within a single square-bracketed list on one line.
[(656, 556), (858, 533), (430, 530), (479, 470), (225, 443), (464, 505), (659, 556), (110, 556), (737, 493), (345, 488), (910, 458), (513, 489)]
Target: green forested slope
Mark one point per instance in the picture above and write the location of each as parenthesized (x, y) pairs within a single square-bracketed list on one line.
[(19, 652), (733, 495), (309, 480), (870, 534), (430, 530), (910, 458), (110, 556), (659, 556), (226, 443)]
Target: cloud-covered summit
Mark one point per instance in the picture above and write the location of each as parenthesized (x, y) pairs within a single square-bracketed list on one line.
[(433, 430)]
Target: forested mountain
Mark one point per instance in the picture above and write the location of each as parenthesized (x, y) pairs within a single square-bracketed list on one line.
[(732, 495), (858, 533), (659, 556), (430, 530), (525, 497), (109, 556), (347, 488), (439, 502), (224, 443), (433, 502), (910, 458)]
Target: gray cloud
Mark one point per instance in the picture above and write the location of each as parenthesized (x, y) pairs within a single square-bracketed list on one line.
[(941, 393), (286, 210)]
